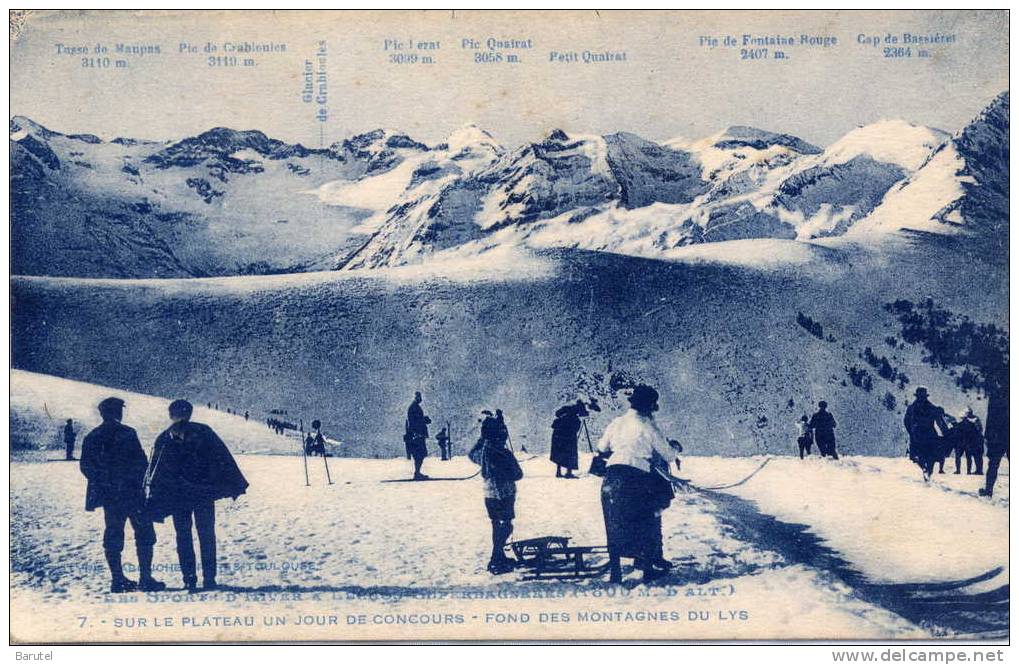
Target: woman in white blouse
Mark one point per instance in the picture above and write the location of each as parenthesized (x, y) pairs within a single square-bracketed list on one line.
[(632, 491)]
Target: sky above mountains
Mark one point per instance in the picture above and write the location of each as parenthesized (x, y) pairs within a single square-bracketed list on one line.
[(670, 84)]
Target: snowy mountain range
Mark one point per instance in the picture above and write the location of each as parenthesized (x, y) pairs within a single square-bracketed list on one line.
[(238, 202)]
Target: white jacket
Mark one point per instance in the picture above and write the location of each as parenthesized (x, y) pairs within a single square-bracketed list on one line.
[(632, 438)]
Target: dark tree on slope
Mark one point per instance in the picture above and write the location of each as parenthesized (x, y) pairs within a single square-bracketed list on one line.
[(977, 353)]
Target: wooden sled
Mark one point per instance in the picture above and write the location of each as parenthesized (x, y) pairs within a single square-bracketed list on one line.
[(552, 558)]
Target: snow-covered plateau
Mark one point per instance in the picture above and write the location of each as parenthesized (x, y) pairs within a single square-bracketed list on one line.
[(855, 549)]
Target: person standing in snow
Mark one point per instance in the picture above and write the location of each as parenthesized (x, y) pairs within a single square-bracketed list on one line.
[(630, 496), (804, 439), (191, 469), (114, 463), (925, 424), (69, 438), (500, 472), (316, 442), (822, 425), (565, 432), (416, 435), (969, 441), (996, 435), (442, 438)]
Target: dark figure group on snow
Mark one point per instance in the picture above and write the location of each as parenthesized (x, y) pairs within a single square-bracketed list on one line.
[(819, 429), (935, 436), (190, 469), (280, 426)]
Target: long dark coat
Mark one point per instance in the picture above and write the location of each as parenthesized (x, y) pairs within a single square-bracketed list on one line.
[(416, 433), (968, 437), (190, 466), (565, 430), (924, 440), (114, 463), (996, 430), (822, 424)]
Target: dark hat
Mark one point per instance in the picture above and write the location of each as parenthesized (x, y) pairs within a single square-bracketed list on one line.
[(316, 423), (921, 392), (181, 407), (644, 398), (110, 404)]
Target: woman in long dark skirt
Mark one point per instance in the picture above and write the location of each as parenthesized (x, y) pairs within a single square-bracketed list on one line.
[(631, 495), (565, 430)]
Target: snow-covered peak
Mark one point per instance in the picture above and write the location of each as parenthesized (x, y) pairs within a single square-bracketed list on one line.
[(380, 139), (741, 136), (470, 137), (20, 127), (898, 142)]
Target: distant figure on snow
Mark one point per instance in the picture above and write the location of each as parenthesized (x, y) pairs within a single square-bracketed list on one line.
[(804, 438), (632, 493), (925, 424), (500, 472), (69, 438), (442, 438), (191, 469), (416, 435), (968, 436), (315, 443), (822, 425), (114, 463), (565, 431)]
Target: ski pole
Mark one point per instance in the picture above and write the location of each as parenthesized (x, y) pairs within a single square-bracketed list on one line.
[(304, 453), (326, 462), (587, 434)]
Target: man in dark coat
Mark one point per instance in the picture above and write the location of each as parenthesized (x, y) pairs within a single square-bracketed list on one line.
[(968, 439), (925, 424), (996, 436), (822, 424), (565, 431), (191, 469), (114, 463), (69, 437), (416, 435)]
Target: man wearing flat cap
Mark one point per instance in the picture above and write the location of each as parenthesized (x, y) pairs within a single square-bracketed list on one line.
[(114, 463)]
